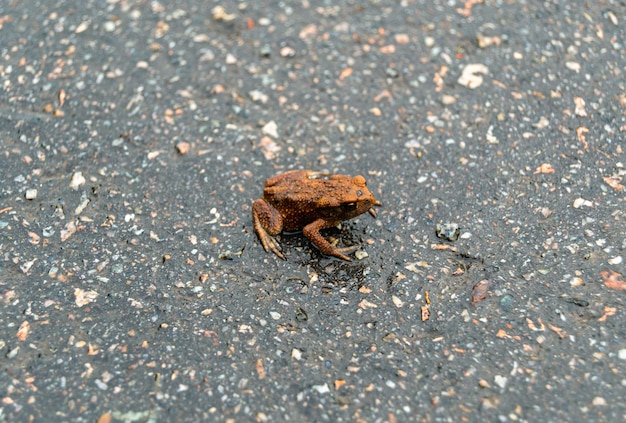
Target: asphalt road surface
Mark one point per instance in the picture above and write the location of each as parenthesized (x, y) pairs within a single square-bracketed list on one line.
[(134, 137)]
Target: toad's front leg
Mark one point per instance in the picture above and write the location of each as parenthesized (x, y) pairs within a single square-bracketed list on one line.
[(312, 231)]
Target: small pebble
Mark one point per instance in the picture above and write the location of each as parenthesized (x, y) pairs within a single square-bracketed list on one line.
[(599, 401), (109, 26), (270, 129), (13, 353), (448, 100), (287, 51), (392, 73), (183, 147), (397, 301), (77, 180), (101, 385), (265, 50), (274, 315), (506, 303), (301, 315), (31, 194), (501, 381), (614, 260), (449, 231), (296, 354), (321, 389), (360, 254)]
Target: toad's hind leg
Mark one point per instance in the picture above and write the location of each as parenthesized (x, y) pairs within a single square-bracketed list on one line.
[(267, 222)]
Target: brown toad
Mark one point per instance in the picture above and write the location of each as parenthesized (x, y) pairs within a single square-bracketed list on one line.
[(302, 199)]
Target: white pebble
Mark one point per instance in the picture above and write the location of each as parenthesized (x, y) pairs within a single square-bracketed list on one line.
[(270, 129), (109, 26), (274, 315), (31, 194)]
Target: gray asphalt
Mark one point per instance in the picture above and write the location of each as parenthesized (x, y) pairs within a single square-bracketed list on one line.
[(135, 135)]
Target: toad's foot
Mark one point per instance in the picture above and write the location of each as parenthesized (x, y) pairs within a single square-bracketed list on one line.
[(268, 242)]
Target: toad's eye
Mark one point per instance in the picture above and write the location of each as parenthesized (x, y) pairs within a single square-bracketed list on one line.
[(359, 193)]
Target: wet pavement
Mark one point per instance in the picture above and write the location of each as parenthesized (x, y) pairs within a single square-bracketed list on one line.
[(135, 136)]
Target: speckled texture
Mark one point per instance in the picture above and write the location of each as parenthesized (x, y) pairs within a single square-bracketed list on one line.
[(135, 135)]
